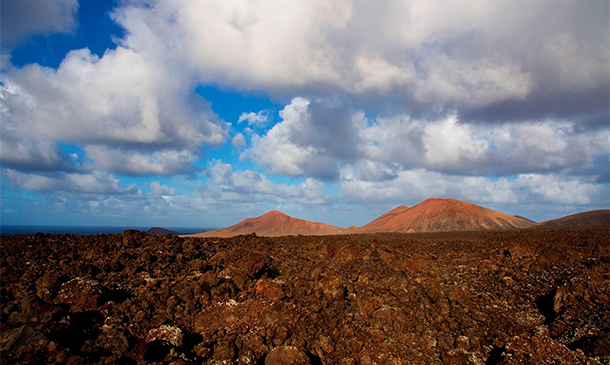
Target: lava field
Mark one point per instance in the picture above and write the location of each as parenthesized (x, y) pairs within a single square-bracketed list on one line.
[(501, 297)]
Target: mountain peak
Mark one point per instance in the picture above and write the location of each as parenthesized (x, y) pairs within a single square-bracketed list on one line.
[(274, 223), (439, 214), (275, 213)]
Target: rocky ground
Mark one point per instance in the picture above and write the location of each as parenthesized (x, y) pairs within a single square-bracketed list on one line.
[(515, 297)]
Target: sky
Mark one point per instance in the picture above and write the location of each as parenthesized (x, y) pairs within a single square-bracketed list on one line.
[(190, 113)]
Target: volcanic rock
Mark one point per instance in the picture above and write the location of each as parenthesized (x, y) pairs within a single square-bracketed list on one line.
[(530, 296), (591, 218), (274, 223), (442, 215), (81, 294), (286, 355), (170, 334), (113, 339), (23, 336)]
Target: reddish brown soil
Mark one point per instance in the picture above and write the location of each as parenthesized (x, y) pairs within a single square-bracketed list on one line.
[(385, 222), (274, 223), (591, 218), (443, 215), (496, 297)]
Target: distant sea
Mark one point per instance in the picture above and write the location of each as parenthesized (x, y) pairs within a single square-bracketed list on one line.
[(83, 230)]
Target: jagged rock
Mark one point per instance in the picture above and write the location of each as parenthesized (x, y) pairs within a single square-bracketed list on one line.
[(224, 351), (267, 289), (166, 333), (46, 286), (286, 355), (113, 339), (81, 294), (25, 335)]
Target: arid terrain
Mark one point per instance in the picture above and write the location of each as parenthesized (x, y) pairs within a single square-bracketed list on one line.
[(272, 224), (431, 215), (443, 215), (536, 296)]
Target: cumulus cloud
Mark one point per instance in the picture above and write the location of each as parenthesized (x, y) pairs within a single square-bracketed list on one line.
[(311, 140), (248, 186), (413, 186), (391, 101), (161, 190), (238, 140), (471, 55), (133, 116), (23, 18), (121, 98), (29, 154), (329, 140)]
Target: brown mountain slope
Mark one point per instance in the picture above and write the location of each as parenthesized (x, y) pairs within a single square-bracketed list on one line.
[(274, 223), (385, 222), (591, 218), (524, 218), (441, 215)]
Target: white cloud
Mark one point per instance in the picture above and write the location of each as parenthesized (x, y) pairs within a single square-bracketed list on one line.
[(277, 150), (413, 186), (142, 163), (238, 140), (257, 119), (476, 82), (379, 75), (399, 101), (96, 185), (324, 139), (248, 186), (449, 144), (121, 98), (118, 106), (429, 51), (23, 18), (31, 154), (312, 139), (162, 190)]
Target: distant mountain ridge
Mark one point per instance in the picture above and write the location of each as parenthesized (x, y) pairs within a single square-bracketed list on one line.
[(591, 218), (431, 215), (161, 231), (274, 223), (443, 215)]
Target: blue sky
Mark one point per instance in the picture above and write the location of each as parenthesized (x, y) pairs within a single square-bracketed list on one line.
[(202, 113)]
